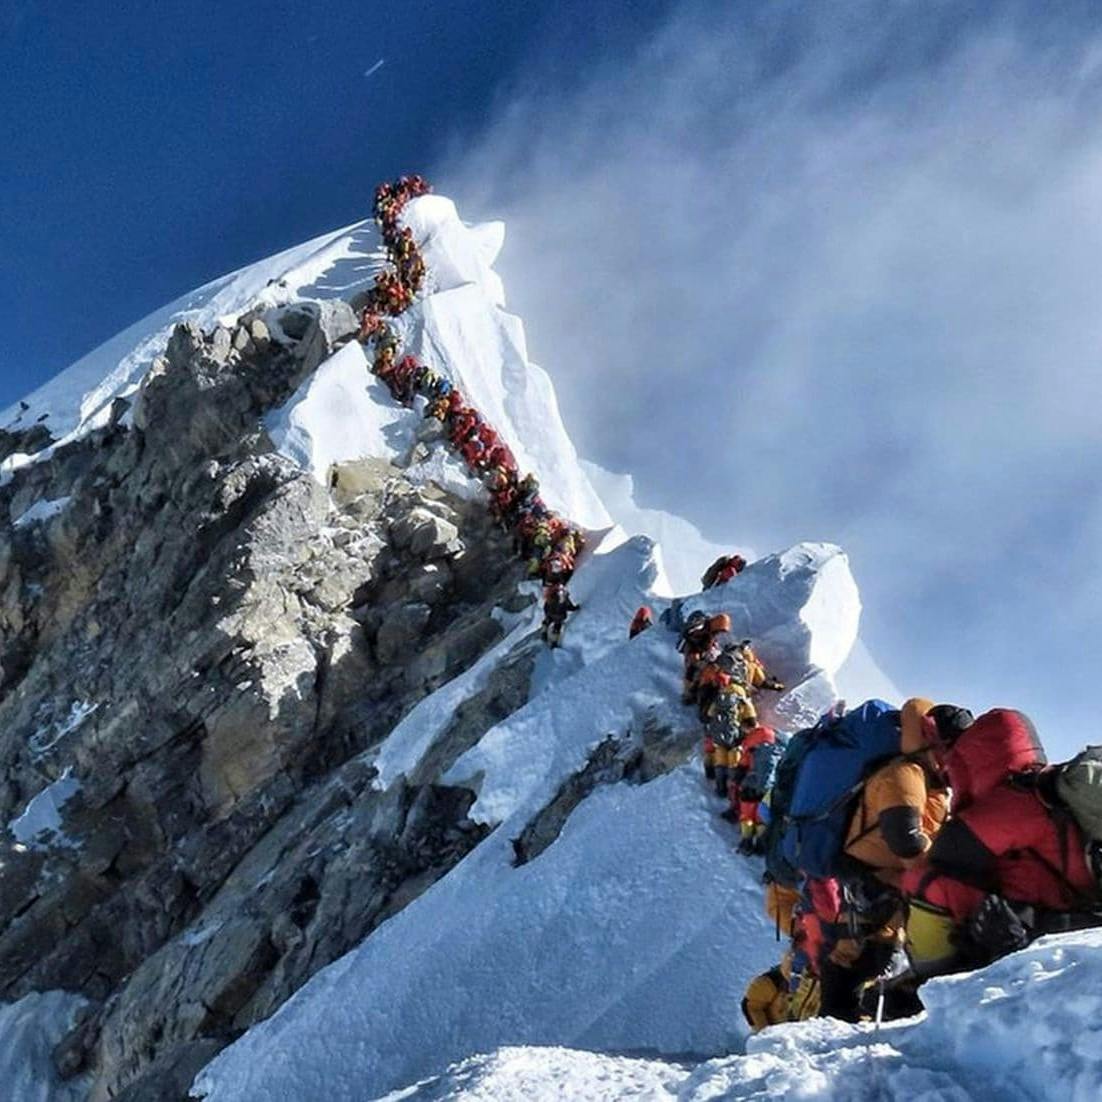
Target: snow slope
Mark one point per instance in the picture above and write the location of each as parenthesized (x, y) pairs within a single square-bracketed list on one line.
[(79, 398), (613, 937), (459, 327), (1025, 1028)]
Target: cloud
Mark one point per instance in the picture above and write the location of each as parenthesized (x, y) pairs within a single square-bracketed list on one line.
[(832, 271)]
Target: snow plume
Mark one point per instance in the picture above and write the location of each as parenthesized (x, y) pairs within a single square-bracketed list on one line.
[(830, 269)]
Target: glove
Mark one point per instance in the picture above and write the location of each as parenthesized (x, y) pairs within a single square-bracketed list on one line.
[(773, 685)]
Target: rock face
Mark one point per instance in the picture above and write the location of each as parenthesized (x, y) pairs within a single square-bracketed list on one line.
[(208, 641)]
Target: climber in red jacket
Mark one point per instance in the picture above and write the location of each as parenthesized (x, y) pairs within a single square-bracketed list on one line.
[(1003, 849), (642, 620), (745, 800)]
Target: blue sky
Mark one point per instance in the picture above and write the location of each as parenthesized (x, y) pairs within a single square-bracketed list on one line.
[(835, 265), (148, 149)]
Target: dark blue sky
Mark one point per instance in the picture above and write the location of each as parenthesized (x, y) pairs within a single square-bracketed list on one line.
[(151, 148)]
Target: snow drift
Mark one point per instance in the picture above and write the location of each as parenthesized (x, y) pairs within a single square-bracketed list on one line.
[(1024, 1027)]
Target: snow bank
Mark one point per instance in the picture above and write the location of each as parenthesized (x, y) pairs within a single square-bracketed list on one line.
[(77, 400), (29, 1030), (41, 511), (39, 826), (573, 948), (516, 1074), (455, 253), (1028, 1026), (339, 414)]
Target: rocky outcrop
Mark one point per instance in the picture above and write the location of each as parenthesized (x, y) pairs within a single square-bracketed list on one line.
[(209, 641)]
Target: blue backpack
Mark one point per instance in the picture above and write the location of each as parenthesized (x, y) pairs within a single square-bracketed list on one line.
[(839, 757), (780, 799), (763, 772)]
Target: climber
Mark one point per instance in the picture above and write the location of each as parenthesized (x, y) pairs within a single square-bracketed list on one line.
[(753, 778), (865, 923), (500, 457), (642, 620), (503, 493), (487, 437), (1009, 864), (402, 385), (903, 804), (698, 645), (755, 675), (724, 728), (722, 570), (528, 491), (557, 605), (712, 676), (767, 1000), (462, 423), (370, 325), (557, 568)]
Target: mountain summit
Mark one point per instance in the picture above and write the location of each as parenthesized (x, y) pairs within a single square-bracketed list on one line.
[(276, 720)]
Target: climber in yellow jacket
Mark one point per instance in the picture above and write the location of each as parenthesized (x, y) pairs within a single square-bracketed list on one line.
[(767, 1000)]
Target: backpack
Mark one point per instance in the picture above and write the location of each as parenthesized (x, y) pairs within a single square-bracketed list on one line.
[(842, 753), (708, 579), (763, 772), (780, 799), (1078, 789)]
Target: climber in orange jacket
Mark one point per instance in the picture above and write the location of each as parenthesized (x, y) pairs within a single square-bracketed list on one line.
[(903, 804), (722, 570), (767, 999)]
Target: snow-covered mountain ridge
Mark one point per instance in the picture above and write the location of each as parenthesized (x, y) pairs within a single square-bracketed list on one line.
[(276, 724)]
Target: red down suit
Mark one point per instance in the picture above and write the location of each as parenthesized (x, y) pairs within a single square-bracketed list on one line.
[(1000, 838)]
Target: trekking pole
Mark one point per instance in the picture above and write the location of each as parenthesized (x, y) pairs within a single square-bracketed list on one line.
[(879, 1007)]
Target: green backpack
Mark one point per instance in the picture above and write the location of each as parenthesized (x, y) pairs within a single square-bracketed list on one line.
[(1079, 789)]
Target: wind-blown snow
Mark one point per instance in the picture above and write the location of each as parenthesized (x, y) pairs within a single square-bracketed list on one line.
[(30, 1029)]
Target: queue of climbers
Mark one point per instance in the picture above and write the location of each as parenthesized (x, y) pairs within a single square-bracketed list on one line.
[(908, 843), (548, 544), (899, 843)]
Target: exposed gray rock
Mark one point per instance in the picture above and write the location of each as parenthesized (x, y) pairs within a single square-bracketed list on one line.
[(400, 630), (209, 641), (425, 535), (220, 345)]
